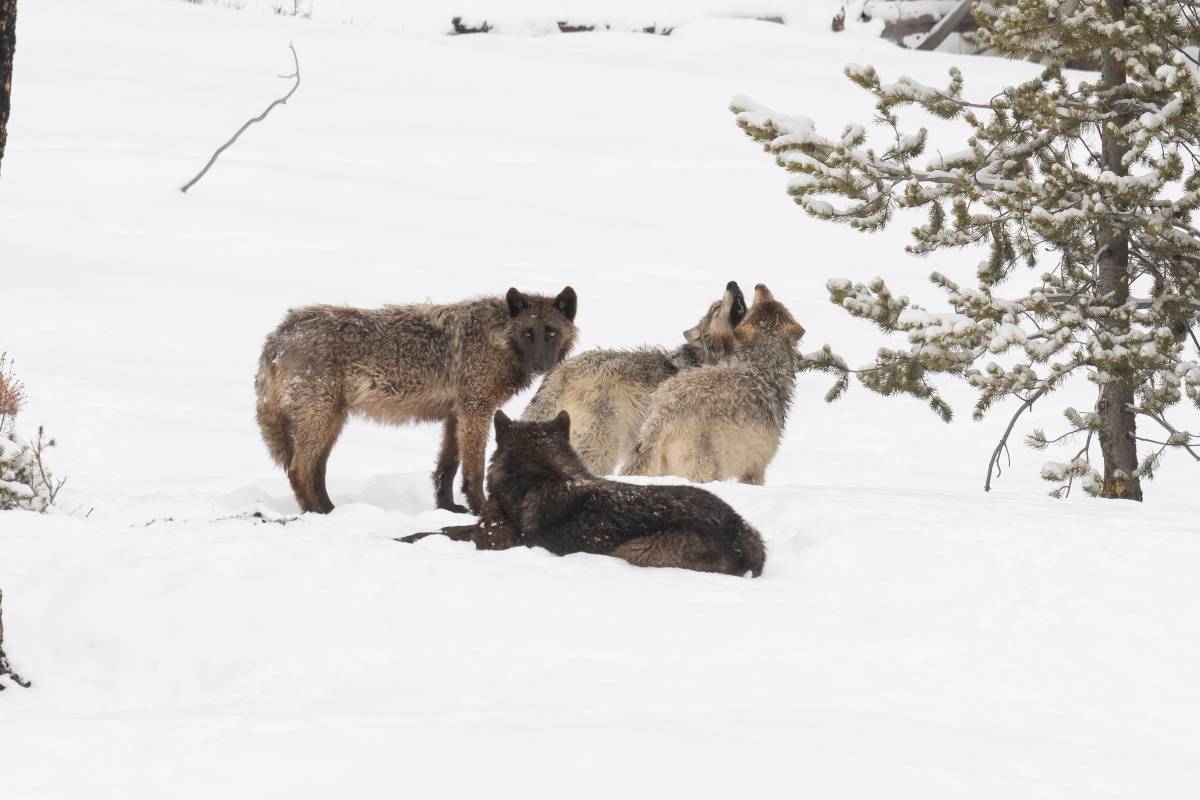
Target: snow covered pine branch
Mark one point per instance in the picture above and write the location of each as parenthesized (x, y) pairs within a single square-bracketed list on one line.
[(1092, 184)]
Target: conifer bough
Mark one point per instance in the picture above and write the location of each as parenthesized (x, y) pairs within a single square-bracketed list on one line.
[(1091, 184)]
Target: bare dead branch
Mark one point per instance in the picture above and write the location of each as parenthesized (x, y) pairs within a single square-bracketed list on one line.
[(994, 461), (1083, 451), (1184, 438), (282, 100)]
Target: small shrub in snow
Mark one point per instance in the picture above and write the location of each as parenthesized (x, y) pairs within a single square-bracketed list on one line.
[(12, 395), (24, 480)]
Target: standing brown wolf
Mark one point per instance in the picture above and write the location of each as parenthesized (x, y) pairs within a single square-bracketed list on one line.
[(725, 421), (454, 364), (541, 495), (607, 392)]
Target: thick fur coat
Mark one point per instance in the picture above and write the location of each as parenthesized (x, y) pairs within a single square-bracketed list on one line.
[(453, 364), (541, 495), (607, 392), (726, 420)]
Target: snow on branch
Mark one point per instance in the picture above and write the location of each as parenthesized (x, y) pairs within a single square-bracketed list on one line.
[(1099, 177)]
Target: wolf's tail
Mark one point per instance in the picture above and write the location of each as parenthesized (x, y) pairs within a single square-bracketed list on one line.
[(272, 421)]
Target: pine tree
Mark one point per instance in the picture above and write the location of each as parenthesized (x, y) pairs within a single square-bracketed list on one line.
[(1090, 184)]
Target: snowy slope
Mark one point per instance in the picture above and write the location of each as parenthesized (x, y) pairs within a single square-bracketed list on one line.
[(912, 636), (542, 16)]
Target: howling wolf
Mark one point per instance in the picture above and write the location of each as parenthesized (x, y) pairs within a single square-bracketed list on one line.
[(541, 495), (607, 392), (725, 421), (453, 364)]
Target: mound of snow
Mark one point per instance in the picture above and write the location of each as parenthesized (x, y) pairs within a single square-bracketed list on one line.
[(911, 637)]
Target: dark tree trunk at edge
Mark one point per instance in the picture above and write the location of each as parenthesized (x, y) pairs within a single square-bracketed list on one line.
[(1119, 424), (5, 669), (8, 44)]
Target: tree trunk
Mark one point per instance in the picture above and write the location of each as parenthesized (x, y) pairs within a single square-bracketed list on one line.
[(1118, 423), (5, 669), (8, 44), (1117, 444)]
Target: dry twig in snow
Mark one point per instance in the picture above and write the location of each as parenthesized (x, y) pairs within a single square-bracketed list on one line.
[(294, 76)]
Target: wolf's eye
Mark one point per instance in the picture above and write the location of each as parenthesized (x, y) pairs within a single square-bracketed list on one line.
[(528, 333), (551, 333)]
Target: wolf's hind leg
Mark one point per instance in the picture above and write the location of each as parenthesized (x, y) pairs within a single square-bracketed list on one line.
[(754, 477), (681, 549), (314, 437), (593, 439), (695, 460), (645, 459), (447, 466), (319, 491)]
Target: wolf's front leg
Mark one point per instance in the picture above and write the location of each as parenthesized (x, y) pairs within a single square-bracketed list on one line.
[(473, 429), (447, 466), (458, 533), (494, 531)]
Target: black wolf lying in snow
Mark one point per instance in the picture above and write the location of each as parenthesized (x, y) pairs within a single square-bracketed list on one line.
[(541, 495)]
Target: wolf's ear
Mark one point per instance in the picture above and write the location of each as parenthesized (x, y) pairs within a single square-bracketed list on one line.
[(762, 294), (733, 304), (794, 332), (517, 302), (566, 302), (502, 422), (562, 424), (698, 330)]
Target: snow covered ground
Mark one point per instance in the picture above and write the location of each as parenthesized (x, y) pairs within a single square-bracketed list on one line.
[(911, 637)]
